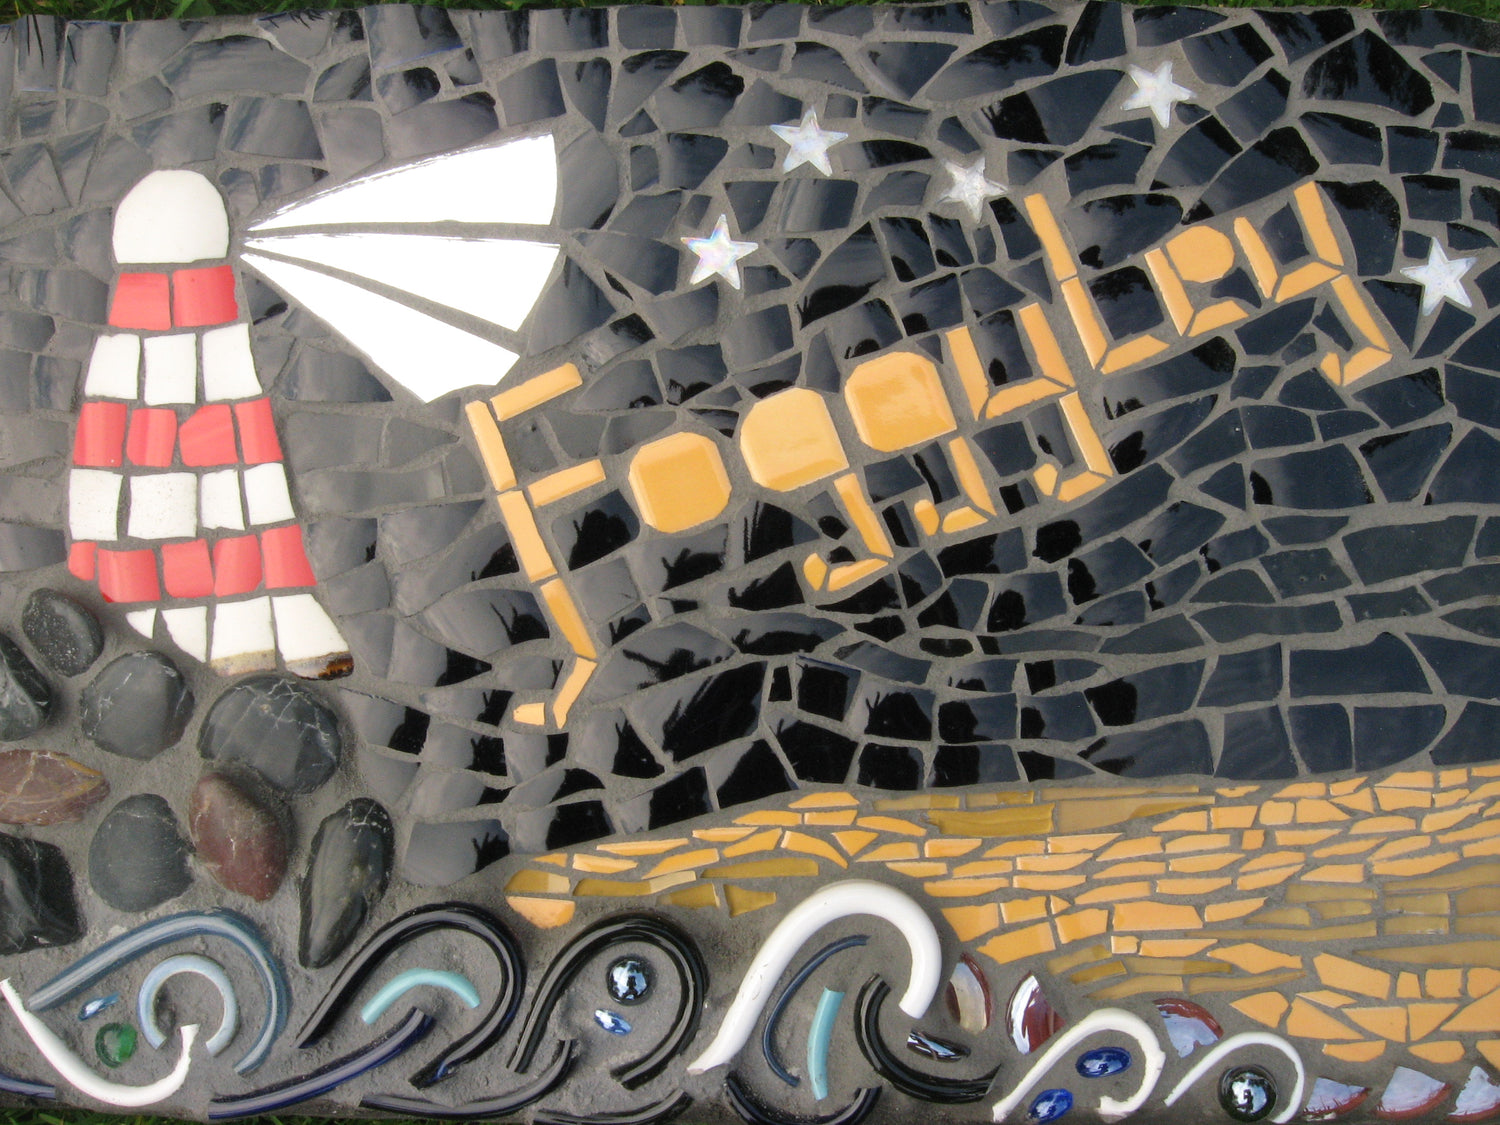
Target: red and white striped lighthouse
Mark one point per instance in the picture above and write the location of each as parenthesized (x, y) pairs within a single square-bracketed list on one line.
[(179, 504)]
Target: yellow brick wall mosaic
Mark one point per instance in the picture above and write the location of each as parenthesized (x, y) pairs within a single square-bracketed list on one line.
[(1235, 893)]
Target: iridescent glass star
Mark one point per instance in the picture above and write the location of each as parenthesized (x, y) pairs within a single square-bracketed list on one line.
[(1441, 278), (810, 144), (1157, 92), (970, 187), (719, 254)]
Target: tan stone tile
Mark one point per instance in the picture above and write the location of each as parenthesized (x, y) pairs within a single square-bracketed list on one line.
[(1131, 849), (891, 853), (762, 841), (906, 827), (1077, 925), (1115, 892), (1268, 860), (1344, 908), (1347, 848), (1336, 873), (1262, 879), (743, 901), (602, 864), (1216, 912), (919, 868), (1047, 882), (643, 847), (1195, 886), (1392, 800), (984, 867), (1024, 909), (1180, 966), (1404, 846), (1200, 986), (1362, 801), (854, 839), (1239, 816), (1308, 1022), (1444, 984), (1303, 837), (1124, 943), (1408, 986), (832, 800), (1367, 1050), (1184, 822), (785, 868), (684, 861), (964, 888), (1016, 944), (949, 848), (1415, 924), (1347, 786), (1482, 981), (1417, 865), (544, 913), (1023, 820), (1274, 813), (832, 818), (919, 801), (696, 897), (1086, 956), (1156, 916), (1199, 842), (1351, 976), (1135, 986), (725, 835), (1252, 839), (1253, 958), (527, 881), (1013, 848), (1213, 861), (1066, 862), (1374, 825), (1303, 892), (1266, 1008), (1447, 818), (1175, 947), (813, 845), (1098, 972), (970, 922), (1490, 1049), (1417, 904), (1316, 811), (779, 817), (608, 888), (1426, 1017), (1443, 1052), (1327, 998), (1131, 870)]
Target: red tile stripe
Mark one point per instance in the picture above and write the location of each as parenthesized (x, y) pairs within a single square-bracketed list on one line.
[(273, 559), (187, 298)]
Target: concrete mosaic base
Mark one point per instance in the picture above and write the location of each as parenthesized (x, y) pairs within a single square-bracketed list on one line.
[(794, 564)]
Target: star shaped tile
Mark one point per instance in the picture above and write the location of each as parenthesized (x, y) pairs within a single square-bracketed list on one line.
[(970, 187), (810, 144), (719, 254), (1441, 278), (1157, 92)]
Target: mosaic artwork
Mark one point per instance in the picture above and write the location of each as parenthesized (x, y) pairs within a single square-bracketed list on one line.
[(784, 564)]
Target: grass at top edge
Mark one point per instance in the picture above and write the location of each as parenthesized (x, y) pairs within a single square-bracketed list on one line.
[(204, 9)]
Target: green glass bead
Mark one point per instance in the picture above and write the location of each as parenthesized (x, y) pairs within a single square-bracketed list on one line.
[(115, 1044)]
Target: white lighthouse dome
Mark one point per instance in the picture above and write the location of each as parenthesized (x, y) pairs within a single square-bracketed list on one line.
[(171, 216)]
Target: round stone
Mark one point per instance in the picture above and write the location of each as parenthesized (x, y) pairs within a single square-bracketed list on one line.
[(346, 875), (1049, 1105), (277, 727), (138, 858), (1247, 1093), (65, 634), (629, 980), (37, 907), (237, 836), (25, 697), (1101, 1062), (137, 706), (115, 1044)]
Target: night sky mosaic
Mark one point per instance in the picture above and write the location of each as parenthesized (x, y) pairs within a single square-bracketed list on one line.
[(920, 401)]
